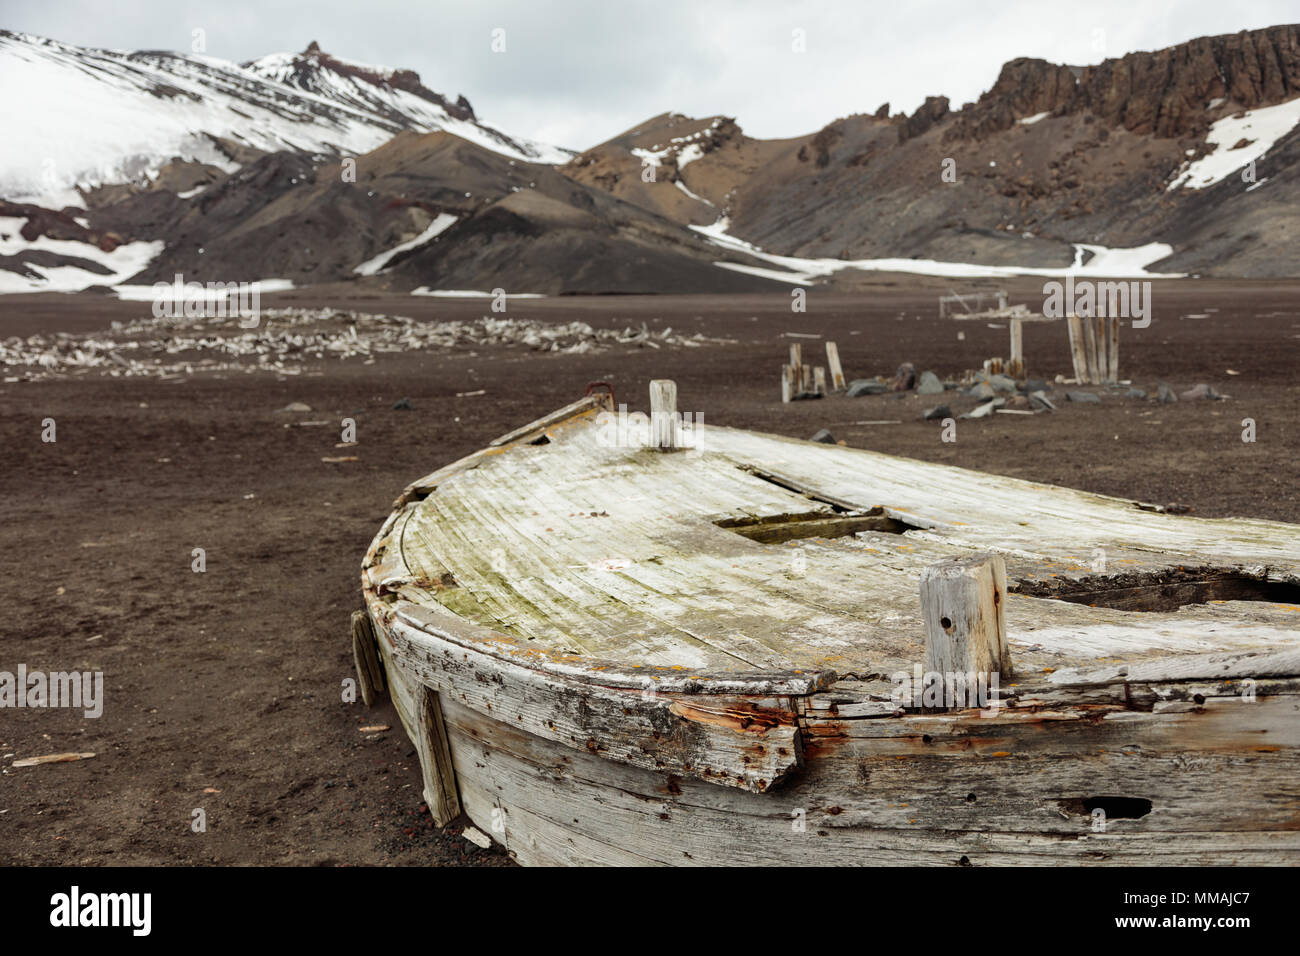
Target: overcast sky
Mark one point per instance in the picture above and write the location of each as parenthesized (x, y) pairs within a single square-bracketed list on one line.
[(576, 73)]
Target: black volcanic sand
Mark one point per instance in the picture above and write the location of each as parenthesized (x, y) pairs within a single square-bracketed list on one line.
[(229, 681)]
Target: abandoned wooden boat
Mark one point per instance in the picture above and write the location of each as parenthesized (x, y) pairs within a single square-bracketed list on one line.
[(616, 640)]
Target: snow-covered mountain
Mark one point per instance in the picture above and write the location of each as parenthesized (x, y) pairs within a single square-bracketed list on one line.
[(75, 116)]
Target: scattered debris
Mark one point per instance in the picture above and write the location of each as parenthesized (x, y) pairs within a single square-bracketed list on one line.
[(1166, 394), (286, 340), (340, 460), (866, 386), (1085, 398), (929, 384), (823, 436), (403, 405), (51, 758), (905, 377), (296, 407), (375, 729), (477, 837), (1201, 391), (1136, 393), (1040, 402), (938, 412)]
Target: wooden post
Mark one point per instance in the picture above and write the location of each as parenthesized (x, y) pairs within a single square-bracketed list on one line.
[(965, 626), (788, 387), (833, 362), (819, 380), (1090, 350), (1114, 349), (806, 378), (1016, 365), (663, 414), (1074, 324), (796, 354)]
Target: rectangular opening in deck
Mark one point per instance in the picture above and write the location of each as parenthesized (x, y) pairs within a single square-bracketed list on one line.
[(774, 529), (1165, 590)]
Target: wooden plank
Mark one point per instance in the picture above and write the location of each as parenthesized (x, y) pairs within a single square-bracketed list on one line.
[(589, 403), (833, 363), (788, 384), (796, 355), (819, 380)]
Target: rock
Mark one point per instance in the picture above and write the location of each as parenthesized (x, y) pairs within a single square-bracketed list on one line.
[(296, 407), (985, 410), (1083, 397), (866, 386), (938, 412), (981, 390), (1166, 394), (403, 405), (1200, 391), (1040, 402), (1036, 385), (1002, 383), (1136, 393), (823, 436), (905, 377), (929, 384)]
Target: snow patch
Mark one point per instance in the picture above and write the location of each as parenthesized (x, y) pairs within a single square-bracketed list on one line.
[(441, 223), (1261, 127)]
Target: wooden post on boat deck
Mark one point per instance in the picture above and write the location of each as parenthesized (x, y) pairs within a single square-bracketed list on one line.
[(663, 414), (965, 626), (833, 363), (1016, 364)]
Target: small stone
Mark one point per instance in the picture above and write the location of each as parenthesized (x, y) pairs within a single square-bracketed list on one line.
[(403, 405), (981, 390), (1036, 385), (929, 384), (938, 412), (1083, 397), (1166, 394), (296, 407), (905, 377), (823, 436), (1200, 391), (1136, 393), (1002, 383), (866, 386), (1040, 402)]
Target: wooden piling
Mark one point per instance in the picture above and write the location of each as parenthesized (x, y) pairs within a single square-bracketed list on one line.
[(788, 384), (965, 626), (796, 354), (663, 415), (1016, 364), (819, 380), (833, 362), (1114, 349), (1077, 355)]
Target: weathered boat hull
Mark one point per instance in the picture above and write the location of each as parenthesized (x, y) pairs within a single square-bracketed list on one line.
[(566, 759)]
